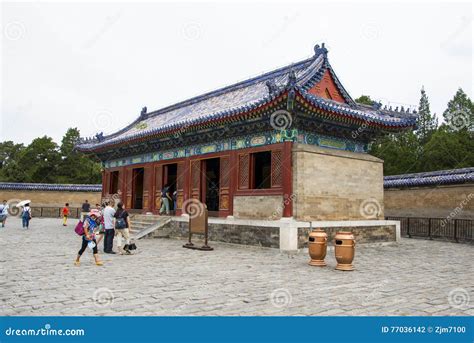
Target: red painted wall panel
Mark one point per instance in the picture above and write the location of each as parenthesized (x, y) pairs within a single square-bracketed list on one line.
[(325, 86)]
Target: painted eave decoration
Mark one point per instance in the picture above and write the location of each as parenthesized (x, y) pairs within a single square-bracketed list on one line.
[(252, 98), (435, 178)]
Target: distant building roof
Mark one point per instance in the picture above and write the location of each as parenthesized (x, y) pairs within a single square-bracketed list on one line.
[(440, 177), (49, 187), (234, 102)]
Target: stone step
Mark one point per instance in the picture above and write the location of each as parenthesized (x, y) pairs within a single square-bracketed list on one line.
[(142, 230), (136, 222)]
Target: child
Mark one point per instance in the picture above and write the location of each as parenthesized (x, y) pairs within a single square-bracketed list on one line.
[(90, 223), (26, 216), (65, 214)]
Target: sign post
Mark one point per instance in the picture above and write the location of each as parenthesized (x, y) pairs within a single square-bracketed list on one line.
[(198, 224)]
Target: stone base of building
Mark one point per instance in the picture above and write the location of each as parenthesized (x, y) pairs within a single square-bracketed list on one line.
[(286, 234)]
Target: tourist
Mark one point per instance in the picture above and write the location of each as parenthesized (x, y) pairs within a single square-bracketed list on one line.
[(122, 226), (65, 214), (86, 207), (109, 227), (88, 239), (26, 216), (165, 200), (4, 212)]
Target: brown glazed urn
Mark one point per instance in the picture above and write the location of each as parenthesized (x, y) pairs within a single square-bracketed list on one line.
[(317, 247), (344, 248)]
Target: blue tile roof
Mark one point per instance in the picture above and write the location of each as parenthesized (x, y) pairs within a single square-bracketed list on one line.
[(14, 186), (248, 95), (440, 177)]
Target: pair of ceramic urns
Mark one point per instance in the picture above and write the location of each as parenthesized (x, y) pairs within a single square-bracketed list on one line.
[(344, 248)]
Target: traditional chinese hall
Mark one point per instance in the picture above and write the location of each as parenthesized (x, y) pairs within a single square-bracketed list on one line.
[(277, 151)]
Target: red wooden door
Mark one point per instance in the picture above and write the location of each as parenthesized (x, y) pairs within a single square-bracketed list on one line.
[(224, 183), (129, 187), (147, 184), (180, 185), (196, 179)]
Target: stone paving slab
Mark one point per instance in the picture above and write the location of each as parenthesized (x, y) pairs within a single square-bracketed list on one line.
[(414, 277)]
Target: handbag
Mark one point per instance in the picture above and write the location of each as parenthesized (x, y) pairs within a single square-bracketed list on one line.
[(79, 228)]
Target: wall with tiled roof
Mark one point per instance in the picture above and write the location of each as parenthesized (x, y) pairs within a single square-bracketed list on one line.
[(440, 177), (49, 187)]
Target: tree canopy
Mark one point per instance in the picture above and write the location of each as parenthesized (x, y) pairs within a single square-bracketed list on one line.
[(43, 161), (431, 147)]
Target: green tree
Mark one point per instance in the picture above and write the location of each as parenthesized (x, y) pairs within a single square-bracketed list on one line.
[(10, 171), (400, 152), (448, 150), (40, 161), (459, 114), (427, 123), (75, 167), (364, 99)]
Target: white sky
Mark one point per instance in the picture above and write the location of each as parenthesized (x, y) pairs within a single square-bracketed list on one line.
[(94, 66)]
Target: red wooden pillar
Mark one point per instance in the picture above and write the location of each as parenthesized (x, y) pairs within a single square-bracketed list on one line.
[(104, 181), (128, 187), (224, 184), (287, 179), (158, 184), (122, 184), (196, 179), (180, 186), (107, 183), (147, 187), (186, 181), (234, 175)]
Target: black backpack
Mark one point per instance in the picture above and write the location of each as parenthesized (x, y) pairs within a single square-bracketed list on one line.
[(120, 222)]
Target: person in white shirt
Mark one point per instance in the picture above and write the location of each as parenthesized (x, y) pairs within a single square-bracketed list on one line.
[(4, 212), (109, 226)]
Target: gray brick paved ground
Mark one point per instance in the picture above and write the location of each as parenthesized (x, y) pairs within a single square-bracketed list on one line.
[(415, 277)]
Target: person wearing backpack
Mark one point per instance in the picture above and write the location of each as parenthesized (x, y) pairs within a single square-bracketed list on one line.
[(91, 222), (165, 200), (4, 212), (122, 225), (26, 216)]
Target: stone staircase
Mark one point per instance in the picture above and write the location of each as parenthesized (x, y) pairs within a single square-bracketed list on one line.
[(146, 225)]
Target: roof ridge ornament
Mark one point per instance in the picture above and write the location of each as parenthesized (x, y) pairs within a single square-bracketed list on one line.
[(143, 113), (318, 50), (100, 136), (376, 105), (272, 87), (291, 79)]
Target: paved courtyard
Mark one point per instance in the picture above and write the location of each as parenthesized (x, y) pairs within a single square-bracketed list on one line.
[(38, 277)]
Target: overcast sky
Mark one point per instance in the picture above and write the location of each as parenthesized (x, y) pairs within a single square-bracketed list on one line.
[(94, 66)]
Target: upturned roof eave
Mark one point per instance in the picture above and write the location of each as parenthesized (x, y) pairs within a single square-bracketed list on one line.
[(242, 112)]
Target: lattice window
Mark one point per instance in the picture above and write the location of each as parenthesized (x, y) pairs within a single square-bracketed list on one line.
[(225, 172), (195, 173), (277, 168), (244, 169), (180, 176)]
